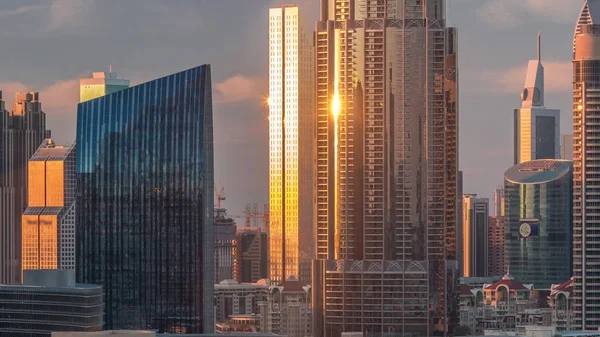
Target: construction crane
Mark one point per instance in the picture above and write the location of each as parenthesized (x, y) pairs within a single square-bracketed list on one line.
[(252, 216), (220, 196)]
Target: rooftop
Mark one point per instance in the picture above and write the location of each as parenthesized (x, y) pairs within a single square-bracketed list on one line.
[(538, 171)]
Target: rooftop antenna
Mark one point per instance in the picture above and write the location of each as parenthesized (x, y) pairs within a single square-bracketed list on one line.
[(539, 46), (110, 68)]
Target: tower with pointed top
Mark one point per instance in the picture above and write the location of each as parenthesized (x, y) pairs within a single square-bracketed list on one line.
[(586, 162), (537, 128)]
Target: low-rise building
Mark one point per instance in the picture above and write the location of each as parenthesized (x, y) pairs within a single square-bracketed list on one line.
[(233, 298), (287, 310), (560, 302)]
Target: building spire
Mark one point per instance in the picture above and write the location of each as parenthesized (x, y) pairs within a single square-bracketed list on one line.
[(539, 46)]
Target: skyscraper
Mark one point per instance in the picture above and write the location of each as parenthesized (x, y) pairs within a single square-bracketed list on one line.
[(537, 129), (538, 234), (386, 137), (497, 225), (475, 236), (145, 202), (566, 147), (250, 252), (291, 143), (499, 201), (586, 190), (48, 226), (100, 84), (21, 132)]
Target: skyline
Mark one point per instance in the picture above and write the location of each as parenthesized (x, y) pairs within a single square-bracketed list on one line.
[(491, 78)]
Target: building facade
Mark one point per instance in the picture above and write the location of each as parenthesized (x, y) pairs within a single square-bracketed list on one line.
[(566, 147), (475, 236), (235, 299), (291, 143), (586, 191), (497, 225), (539, 217), (499, 201), (287, 309), (100, 84), (22, 130), (48, 223), (145, 202), (387, 112), (47, 301), (225, 233), (537, 129), (250, 251)]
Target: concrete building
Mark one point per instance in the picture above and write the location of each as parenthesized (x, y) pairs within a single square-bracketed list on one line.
[(291, 143), (22, 130), (497, 225), (250, 252), (47, 301), (225, 234), (560, 302), (475, 236), (100, 84), (287, 310), (566, 147), (499, 201), (387, 150), (48, 227), (145, 192), (537, 128), (234, 299), (539, 215), (586, 189)]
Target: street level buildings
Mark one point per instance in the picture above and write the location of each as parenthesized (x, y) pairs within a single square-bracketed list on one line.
[(100, 84), (539, 217), (475, 236), (47, 301), (234, 299), (386, 165), (48, 226), (537, 128), (145, 202), (22, 130), (586, 189), (291, 144), (287, 309)]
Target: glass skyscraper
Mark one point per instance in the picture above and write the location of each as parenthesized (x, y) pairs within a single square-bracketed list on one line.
[(145, 203), (539, 217)]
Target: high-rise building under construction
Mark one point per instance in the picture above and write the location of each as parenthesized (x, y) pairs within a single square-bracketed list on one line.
[(386, 175)]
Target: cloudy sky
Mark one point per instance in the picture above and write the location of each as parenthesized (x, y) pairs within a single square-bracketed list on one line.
[(47, 45)]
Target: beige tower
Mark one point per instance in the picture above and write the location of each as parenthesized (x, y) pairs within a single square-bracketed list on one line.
[(291, 119)]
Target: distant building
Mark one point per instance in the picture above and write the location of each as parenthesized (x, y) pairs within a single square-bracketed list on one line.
[(233, 298), (499, 201), (22, 130), (142, 333), (496, 236), (287, 310), (537, 128), (47, 301), (539, 215), (224, 236), (145, 189), (100, 84), (48, 226), (566, 147), (475, 236), (250, 255)]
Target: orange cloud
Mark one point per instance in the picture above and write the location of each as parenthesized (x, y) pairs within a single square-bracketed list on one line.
[(240, 88)]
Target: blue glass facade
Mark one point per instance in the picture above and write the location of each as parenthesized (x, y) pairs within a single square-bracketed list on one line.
[(539, 222), (145, 203)]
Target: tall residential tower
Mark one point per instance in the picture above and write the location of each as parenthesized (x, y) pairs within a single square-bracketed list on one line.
[(291, 144), (586, 163), (387, 108)]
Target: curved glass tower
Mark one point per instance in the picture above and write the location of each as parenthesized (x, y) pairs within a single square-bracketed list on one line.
[(538, 221), (145, 203)]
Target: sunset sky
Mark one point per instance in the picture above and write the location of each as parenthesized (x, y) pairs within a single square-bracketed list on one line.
[(48, 45)]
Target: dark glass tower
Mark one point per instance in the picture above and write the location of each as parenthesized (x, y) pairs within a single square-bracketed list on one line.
[(145, 203)]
